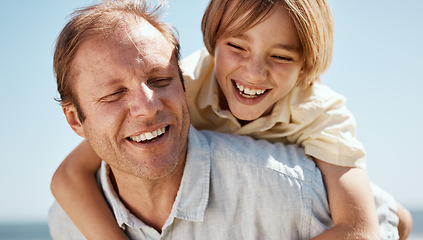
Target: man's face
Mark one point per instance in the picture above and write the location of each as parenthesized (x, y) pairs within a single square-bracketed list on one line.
[(131, 94)]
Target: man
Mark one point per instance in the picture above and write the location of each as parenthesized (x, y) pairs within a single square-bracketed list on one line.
[(120, 83)]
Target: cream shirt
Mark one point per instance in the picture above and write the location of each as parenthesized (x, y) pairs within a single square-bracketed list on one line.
[(315, 118)]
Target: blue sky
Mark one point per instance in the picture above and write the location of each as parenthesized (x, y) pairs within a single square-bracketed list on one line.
[(376, 65)]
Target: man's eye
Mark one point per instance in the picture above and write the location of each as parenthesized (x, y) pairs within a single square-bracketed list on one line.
[(237, 47), (161, 82), (113, 97)]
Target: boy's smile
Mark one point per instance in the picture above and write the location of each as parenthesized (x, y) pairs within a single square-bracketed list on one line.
[(247, 92)]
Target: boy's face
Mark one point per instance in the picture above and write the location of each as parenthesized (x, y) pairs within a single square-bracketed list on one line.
[(260, 66)]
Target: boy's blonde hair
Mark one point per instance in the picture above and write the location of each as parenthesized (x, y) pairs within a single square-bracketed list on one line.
[(312, 19)]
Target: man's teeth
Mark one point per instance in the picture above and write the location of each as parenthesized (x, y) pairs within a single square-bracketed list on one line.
[(148, 135), (248, 92)]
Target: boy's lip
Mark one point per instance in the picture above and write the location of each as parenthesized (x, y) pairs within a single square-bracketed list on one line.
[(248, 99), (249, 91)]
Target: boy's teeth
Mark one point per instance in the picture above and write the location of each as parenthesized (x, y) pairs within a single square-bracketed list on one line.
[(248, 91), (148, 135)]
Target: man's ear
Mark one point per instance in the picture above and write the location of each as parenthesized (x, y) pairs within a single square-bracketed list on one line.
[(71, 115)]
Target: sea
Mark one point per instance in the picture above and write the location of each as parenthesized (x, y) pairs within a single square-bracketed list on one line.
[(39, 231)]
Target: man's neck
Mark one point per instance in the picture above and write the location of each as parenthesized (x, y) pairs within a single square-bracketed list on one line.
[(149, 200)]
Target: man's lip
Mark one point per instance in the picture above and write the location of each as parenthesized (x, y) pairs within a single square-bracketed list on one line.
[(148, 136)]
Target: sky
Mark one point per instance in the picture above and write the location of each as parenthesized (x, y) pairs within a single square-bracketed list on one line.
[(378, 56)]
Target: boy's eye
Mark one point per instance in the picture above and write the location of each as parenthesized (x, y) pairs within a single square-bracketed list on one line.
[(237, 47), (282, 58)]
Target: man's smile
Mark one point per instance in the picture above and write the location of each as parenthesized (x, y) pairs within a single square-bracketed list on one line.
[(148, 136)]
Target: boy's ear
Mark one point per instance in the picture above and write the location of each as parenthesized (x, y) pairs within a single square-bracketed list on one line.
[(301, 74), (71, 115)]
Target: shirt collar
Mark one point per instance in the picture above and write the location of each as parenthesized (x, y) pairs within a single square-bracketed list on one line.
[(122, 214), (194, 190), (193, 195), (209, 93)]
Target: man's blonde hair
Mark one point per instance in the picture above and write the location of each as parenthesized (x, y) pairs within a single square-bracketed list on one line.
[(312, 19), (101, 21)]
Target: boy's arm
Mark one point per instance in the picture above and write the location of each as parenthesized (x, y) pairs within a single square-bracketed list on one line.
[(75, 188), (351, 203)]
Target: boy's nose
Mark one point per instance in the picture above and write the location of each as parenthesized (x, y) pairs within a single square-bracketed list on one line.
[(257, 69)]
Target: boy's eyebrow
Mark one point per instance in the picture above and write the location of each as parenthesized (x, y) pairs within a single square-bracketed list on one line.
[(288, 47), (241, 36)]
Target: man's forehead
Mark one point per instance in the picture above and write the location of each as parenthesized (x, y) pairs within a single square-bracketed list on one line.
[(140, 31), (138, 39), (104, 60)]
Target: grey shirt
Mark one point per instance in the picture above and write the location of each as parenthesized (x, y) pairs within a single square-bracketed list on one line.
[(233, 187)]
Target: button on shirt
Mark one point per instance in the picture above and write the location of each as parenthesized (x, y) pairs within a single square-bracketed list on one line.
[(233, 187)]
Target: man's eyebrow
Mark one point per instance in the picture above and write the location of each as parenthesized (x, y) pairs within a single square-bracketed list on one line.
[(163, 69), (112, 82), (157, 69)]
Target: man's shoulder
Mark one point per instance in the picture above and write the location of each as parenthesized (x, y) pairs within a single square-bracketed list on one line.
[(60, 225), (287, 159)]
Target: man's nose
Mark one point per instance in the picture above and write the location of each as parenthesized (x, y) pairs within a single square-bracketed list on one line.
[(145, 102)]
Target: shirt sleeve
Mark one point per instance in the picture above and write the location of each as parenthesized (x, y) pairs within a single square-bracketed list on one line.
[(316, 214), (326, 128), (60, 225)]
